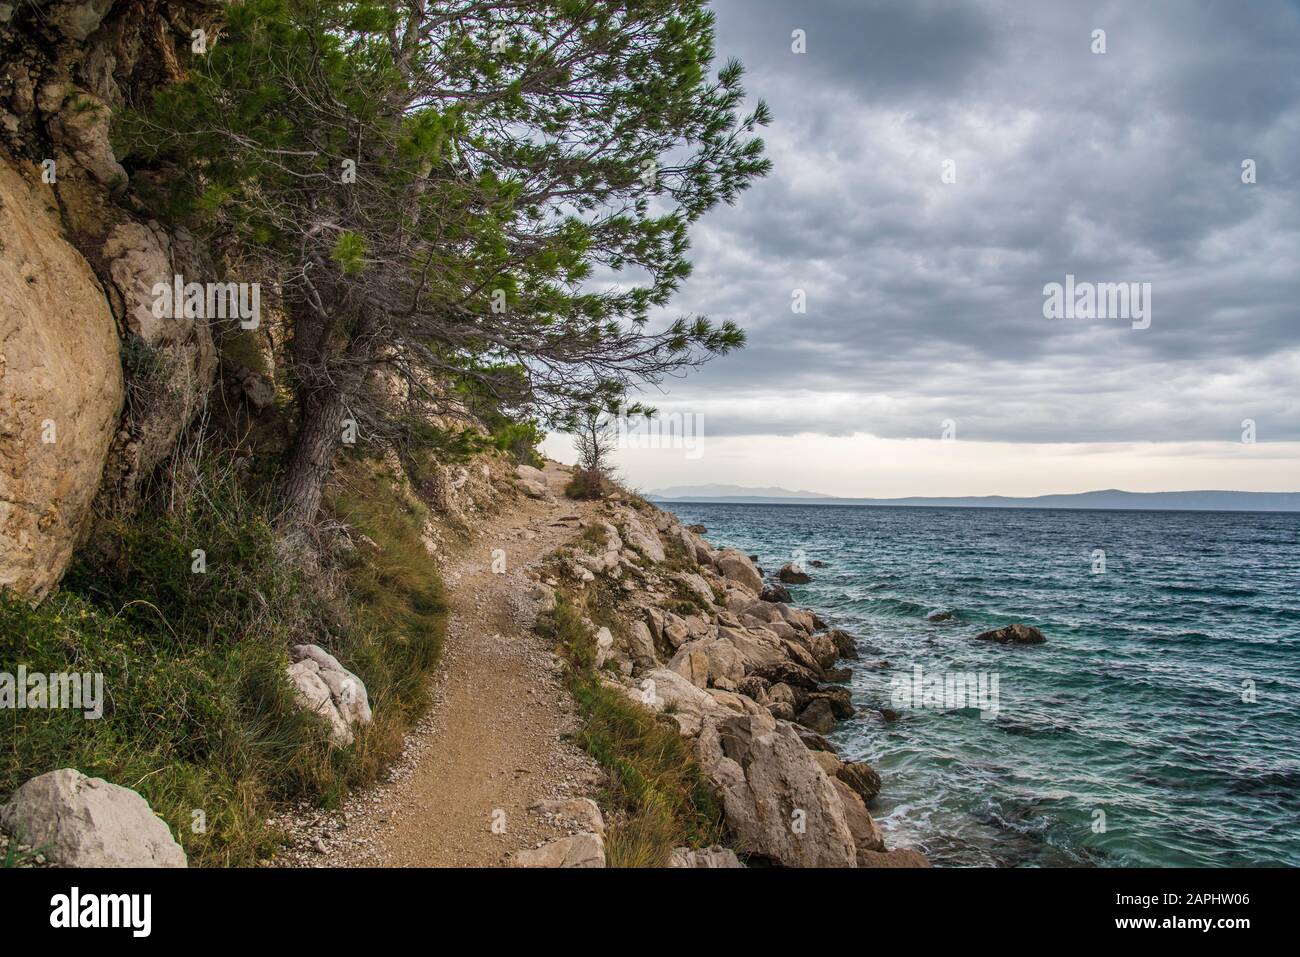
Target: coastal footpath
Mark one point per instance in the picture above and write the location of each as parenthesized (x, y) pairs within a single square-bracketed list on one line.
[(689, 636)]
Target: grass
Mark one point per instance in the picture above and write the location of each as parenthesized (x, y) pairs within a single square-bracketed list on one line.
[(656, 798), (199, 717)]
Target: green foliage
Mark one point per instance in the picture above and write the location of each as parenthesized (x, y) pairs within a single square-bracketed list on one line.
[(503, 152), (396, 596), (656, 796), (199, 714), (237, 589), (350, 253)]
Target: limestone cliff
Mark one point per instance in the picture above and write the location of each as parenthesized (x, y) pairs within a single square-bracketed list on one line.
[(94, 391)]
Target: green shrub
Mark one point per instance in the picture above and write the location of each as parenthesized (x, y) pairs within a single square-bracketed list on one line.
[(199, 715), (656, 796)]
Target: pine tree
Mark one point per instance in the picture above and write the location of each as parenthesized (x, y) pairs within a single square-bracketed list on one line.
[(435, 189)]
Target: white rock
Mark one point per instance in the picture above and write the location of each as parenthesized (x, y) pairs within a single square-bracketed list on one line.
[(708, 857), (582, 811), (579, 850), (325, 687), (604, 642), (78, 821)]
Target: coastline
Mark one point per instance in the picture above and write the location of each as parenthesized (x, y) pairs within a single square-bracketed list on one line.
[(696, 635)]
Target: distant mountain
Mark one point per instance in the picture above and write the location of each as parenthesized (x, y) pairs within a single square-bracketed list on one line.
[(1205, 501), (729, 491)]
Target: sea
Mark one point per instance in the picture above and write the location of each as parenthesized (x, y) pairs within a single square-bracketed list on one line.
[(1158, 725)]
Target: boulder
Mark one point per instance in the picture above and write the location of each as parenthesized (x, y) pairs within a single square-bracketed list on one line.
[(697, 585), (1016, 634), (792, 574), (775, 593), (822, 649), (788, 672), (641, 538), (687, 704), (529, 474), (324, 687), (839, 700), (81, 127), (604, 643), (675, 630), (866, 833), (60, 388), (577, 850), (861, 777), (814, 741), (697, 529), (537, 490), (817, 716), (583, 812), (797, 617), (641, 645), (691, 663), (78, 821), (844, 644), (736, 567), (708, 857), (778, 801), (903, 857)]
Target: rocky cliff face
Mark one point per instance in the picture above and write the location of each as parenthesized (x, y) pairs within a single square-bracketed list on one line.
[(94, 390), (60, 386)]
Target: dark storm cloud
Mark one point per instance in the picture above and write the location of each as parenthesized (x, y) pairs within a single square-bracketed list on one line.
[(925, 299)]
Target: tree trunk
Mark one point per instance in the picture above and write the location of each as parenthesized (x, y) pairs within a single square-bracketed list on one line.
[(320, 430)]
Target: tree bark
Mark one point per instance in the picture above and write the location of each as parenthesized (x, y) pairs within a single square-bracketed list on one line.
[(320, 429)]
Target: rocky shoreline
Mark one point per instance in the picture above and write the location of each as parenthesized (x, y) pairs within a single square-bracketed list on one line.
[(752, 681)]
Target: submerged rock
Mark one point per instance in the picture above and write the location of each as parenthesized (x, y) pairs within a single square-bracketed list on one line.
[(792, 574), (1016, 634)]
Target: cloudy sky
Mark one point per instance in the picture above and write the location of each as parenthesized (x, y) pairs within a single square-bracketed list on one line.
[(925, 297)]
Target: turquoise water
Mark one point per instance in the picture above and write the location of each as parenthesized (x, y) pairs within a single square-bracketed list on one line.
[(1134, 707)]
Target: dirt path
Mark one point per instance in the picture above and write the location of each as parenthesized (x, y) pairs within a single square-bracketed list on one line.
[(493, 742)]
